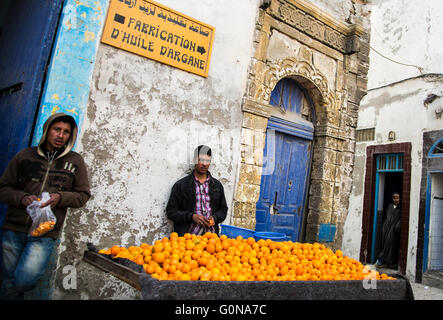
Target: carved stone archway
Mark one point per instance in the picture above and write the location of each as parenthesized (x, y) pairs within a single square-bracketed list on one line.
[(301, 69), (325, 103)]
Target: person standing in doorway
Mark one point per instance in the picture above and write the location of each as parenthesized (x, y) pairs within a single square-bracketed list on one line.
[(197, 203), (50, 167), (390, 235)]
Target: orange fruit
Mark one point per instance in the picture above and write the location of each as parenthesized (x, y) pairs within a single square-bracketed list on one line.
[(185, 268), (210, 257), (115, 250), (210, 248), (173, 236), (187, 236), (150, 268), (139, 260), (205, 276), (158, 257), (202, 261)]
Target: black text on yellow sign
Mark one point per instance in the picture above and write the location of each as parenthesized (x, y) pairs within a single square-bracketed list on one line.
[(154, 31)]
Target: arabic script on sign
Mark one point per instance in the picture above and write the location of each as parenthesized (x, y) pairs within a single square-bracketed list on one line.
[(154, 31)]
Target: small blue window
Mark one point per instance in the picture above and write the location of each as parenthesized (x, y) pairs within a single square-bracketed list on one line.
[(288, 96), (390, 162), (436, 149)]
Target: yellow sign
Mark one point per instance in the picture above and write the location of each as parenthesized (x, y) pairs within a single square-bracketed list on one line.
[(154, 31)]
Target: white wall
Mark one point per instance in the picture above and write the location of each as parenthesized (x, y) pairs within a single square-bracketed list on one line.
[(408, 32), (148, 117)]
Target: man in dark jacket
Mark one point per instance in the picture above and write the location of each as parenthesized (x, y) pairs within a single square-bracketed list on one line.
[(197, 203), (50, 167), (390, 235)]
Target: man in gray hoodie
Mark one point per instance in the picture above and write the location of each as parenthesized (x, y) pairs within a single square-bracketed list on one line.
[(50, 167)]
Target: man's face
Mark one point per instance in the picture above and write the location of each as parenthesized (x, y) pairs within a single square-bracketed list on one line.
[(58, 135), (396, 199), (202, 164)]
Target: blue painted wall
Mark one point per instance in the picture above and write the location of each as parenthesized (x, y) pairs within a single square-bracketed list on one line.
[(70, 70)]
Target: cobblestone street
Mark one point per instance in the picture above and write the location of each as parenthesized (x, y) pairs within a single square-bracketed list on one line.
[(431, 287)]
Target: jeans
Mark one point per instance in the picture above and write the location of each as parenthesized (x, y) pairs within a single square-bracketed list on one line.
[(25, 259)]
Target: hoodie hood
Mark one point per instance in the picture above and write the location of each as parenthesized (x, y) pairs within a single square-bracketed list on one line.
[(69, 145)]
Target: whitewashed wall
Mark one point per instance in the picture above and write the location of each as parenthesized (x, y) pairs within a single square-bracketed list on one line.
[(408, 32)]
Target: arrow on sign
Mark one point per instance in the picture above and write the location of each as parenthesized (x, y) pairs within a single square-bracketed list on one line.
[(201, 49)]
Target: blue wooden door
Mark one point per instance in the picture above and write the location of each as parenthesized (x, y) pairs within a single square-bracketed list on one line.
[(27, 34), (283, 189), (27, 31), (287, 159)]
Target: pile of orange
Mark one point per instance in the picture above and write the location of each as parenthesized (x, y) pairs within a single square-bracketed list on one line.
[(210, 257)]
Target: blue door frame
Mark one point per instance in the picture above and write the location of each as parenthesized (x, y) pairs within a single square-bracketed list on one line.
[(434, 152), (391, 162), (427, 219)]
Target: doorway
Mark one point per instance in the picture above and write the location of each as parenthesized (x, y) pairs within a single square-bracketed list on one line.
[(389, 180), (388, 170), (287, 161), (389, 183), (433, 246), (27, 32), (283, 188)]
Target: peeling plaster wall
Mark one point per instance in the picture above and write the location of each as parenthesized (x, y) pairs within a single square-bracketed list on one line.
[(408, 32), (142, 123), (350, 11)]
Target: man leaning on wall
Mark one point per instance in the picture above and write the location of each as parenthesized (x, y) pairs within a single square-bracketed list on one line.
[(50, 167), (197, 203)]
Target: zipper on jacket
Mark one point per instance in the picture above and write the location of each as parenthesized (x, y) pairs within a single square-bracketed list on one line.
[(50, 159)]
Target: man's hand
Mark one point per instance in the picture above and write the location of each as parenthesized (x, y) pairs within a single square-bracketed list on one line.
[(27, 200), (54, 199), (200, 220)]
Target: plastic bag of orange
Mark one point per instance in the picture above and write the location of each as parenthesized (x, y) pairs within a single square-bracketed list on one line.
[(43, 219)]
